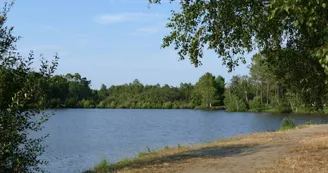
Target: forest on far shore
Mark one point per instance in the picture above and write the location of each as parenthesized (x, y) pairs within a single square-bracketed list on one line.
[(262, 90)]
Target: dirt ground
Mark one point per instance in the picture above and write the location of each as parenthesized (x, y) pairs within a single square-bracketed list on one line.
[(295, 151)]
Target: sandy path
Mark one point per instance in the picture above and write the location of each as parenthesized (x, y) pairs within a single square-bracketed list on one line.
[(238, 157), (262, 156)]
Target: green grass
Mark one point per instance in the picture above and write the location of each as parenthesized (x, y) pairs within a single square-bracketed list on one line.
[(307, 112), (325, 109), (308, 123), (104, 166), (179, 146)]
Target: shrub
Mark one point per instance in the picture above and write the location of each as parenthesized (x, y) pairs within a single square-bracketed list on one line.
[(102, 104), (112, 105), (308, 123), (284, 107), (256, 105), (102, 166), (167, 105), (86, 103), (179, 146), (287, 123), (233, 103), (176, 106), (22, 93)]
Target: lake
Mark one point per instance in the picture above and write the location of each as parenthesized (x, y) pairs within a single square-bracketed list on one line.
[(80, 138)]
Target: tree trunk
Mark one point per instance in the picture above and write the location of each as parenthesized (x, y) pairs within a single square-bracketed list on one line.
[(237, 105), (246, 97), (268, 91), (261, 92)]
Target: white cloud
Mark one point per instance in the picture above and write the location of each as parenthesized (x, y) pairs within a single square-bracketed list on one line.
[(149, 30), (105, 19)]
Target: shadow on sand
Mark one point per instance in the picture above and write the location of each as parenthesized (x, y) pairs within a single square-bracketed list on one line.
[(204, 153)]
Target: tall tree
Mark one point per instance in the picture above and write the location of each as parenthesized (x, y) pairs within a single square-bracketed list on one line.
[(220, 87), (206, 87), (21, 104)]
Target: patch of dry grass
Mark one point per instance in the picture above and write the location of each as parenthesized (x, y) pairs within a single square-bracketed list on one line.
[(309, 155), (302, 163), (150, 160), (306, 154)]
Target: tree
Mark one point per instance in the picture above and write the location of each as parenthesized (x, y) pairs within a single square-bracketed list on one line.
[(300, 74), (206, 87), (58, 91), (226, 27), (243, 88), (233, 103), (220, 87), (233, 28), (262, 75), (21, 104), (102, 92), (186, 89)]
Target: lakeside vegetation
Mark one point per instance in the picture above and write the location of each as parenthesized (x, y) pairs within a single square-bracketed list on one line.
[(73, 91), (272, 86), (267, 89), (285, 86), (289, 74)]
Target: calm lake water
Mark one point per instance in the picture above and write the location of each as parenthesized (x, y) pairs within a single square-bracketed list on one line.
[(80, 138)]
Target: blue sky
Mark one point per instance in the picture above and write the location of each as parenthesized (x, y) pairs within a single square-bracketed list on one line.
[(108, 41)]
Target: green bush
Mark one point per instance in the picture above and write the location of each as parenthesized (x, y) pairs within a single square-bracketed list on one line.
[(284, 107), (176, 106), (179, 146), (102, 166), (256, 105), (112, 105), (296, 103), (308, 123), (167, 105), (233, 103), (86, 103), (287, 123), (186, 106), (54, 103), (101, 105)]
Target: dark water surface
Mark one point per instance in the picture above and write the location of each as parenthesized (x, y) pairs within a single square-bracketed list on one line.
[(80, 138)]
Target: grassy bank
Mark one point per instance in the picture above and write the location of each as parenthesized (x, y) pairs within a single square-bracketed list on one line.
[(276, 110), (178, 158)]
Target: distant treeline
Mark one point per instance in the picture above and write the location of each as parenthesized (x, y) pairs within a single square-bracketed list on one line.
[(272, 86), (73, 91)]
